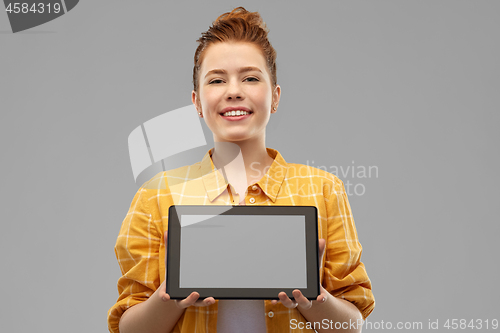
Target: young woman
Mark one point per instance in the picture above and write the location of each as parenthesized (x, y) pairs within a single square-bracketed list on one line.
[(235, 92)]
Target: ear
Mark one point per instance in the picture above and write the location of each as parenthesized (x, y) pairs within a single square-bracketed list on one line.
[(196, 101), (276, 98)]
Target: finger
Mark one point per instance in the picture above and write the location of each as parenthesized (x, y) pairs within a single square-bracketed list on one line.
[(210, 300), (323, 296), (321, 247), (286, 301), (162, 292), (301, 300), (206, 302), (165, 237), (188, 301)]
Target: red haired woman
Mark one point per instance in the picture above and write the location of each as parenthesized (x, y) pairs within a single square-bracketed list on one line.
[(235, 92)]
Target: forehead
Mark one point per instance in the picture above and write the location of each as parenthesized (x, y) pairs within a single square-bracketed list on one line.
[(231, 56)]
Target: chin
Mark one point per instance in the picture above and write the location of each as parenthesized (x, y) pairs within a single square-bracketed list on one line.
[(235, 138)]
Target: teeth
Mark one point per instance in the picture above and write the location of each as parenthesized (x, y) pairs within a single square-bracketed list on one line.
[(235, 113)]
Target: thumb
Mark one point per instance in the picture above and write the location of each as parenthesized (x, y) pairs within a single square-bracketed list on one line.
[(321, 247)]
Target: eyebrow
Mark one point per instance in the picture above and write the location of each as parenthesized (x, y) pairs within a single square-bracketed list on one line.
[(240, 70)]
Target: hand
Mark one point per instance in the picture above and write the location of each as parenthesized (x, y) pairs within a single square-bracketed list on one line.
[(192, 299), (300, 300)]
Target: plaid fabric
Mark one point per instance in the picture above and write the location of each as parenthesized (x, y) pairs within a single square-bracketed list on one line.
[(140, 247)]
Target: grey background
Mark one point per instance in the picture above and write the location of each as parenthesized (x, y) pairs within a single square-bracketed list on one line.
[(411, 87), (243, 252)]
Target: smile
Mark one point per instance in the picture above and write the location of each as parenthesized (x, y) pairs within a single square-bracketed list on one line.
[(235, 113)]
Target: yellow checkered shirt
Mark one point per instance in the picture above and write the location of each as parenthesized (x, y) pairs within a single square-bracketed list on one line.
[(140, 248)]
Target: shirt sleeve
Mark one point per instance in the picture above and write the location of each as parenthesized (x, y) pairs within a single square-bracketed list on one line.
[(137, 252), (344, 273)]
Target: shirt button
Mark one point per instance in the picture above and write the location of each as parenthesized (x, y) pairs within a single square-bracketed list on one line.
[(252, 200), (270, 314), (254, 187)]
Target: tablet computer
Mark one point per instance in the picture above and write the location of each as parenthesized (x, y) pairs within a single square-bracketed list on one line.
[(242, 252)]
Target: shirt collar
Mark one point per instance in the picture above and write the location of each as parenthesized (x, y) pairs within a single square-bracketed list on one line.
[(270, 183)]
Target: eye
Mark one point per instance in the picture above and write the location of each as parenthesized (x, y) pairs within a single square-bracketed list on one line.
[(251, 78), (215, 81)]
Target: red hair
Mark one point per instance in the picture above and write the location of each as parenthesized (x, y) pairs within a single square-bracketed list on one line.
[(239, 25)]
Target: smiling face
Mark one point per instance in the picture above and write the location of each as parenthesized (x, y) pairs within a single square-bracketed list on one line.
[(234, 76)]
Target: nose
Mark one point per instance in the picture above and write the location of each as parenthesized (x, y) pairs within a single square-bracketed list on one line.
[(234, 90)]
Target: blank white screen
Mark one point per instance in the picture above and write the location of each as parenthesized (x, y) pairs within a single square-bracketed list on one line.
[(243, 251)]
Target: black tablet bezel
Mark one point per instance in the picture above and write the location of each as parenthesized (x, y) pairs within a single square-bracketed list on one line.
[(173, 252)]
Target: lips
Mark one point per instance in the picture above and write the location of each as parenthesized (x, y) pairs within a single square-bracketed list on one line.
[(236, 118)]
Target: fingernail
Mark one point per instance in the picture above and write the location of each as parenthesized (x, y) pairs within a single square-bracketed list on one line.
[(324, 299), (164, 299)]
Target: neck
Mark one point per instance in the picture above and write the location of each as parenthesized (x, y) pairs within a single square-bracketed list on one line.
[(243, 161)]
